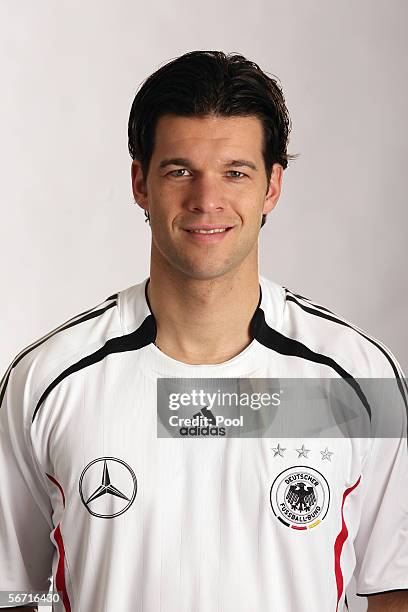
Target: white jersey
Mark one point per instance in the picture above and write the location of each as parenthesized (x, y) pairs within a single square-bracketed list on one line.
[(126, 520)]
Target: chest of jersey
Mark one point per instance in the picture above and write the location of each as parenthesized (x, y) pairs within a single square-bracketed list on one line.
[(203, 518)]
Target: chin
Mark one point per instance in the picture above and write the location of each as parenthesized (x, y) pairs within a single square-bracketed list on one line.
[(206, 273), (203, 267)]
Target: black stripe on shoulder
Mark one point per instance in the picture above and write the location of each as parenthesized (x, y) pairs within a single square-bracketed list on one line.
[(290, 296), (381, 592), (302, 297), (401, 382), (112, 297), (143, 335), (87, 315), (284, 345)]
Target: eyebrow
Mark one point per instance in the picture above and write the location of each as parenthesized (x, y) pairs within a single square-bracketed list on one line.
[(183, 161)]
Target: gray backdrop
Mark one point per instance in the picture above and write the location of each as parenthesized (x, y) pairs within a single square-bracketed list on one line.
[(70, 235)]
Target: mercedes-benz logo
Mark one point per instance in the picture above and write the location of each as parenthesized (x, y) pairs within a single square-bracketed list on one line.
[(100, 497)]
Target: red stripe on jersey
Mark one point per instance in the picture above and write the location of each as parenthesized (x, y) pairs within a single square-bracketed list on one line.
[(338, 545), (60, 577), (301, 528), (58, 485)]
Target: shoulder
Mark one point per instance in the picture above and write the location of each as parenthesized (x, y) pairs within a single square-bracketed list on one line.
[(73, 339), (328, 333)]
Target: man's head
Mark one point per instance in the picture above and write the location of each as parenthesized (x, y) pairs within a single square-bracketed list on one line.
[(205, 110)]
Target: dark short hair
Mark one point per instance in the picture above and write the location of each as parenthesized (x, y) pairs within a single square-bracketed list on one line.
[(201, 83)]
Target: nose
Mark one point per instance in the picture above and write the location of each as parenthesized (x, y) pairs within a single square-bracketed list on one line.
[(205, 195)]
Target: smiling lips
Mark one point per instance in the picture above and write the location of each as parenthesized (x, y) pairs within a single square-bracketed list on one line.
[(212, 231), (207, 227), (208, 233)]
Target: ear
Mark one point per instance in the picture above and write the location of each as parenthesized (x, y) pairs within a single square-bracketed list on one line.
[(274, 189), (139, 185)]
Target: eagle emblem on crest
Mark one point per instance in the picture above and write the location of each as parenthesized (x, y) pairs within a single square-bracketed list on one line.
[(301, 497)]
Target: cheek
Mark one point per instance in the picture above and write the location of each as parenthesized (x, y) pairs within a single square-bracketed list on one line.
[(166, 200), (251, 209), (165, 224), (161, 206)]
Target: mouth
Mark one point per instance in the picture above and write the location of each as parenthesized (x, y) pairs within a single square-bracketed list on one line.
[(208, 234), (208, 231)]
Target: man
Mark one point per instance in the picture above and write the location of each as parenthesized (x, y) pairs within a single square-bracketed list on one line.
[(131, 520)]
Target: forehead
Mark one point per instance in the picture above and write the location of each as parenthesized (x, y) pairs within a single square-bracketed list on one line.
[(181, 134)]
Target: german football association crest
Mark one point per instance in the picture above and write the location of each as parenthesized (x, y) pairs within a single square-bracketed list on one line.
[(300, 497)]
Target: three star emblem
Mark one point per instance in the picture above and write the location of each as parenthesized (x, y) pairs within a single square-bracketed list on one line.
[(302, 452)]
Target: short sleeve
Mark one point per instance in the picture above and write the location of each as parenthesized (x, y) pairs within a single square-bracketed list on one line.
[(26, 549), (381, 544)]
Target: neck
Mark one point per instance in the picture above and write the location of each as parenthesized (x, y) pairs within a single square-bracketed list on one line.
[(203, 321)]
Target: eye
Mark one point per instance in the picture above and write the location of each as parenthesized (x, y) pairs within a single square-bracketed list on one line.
[(177, 172), (236, 174)]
